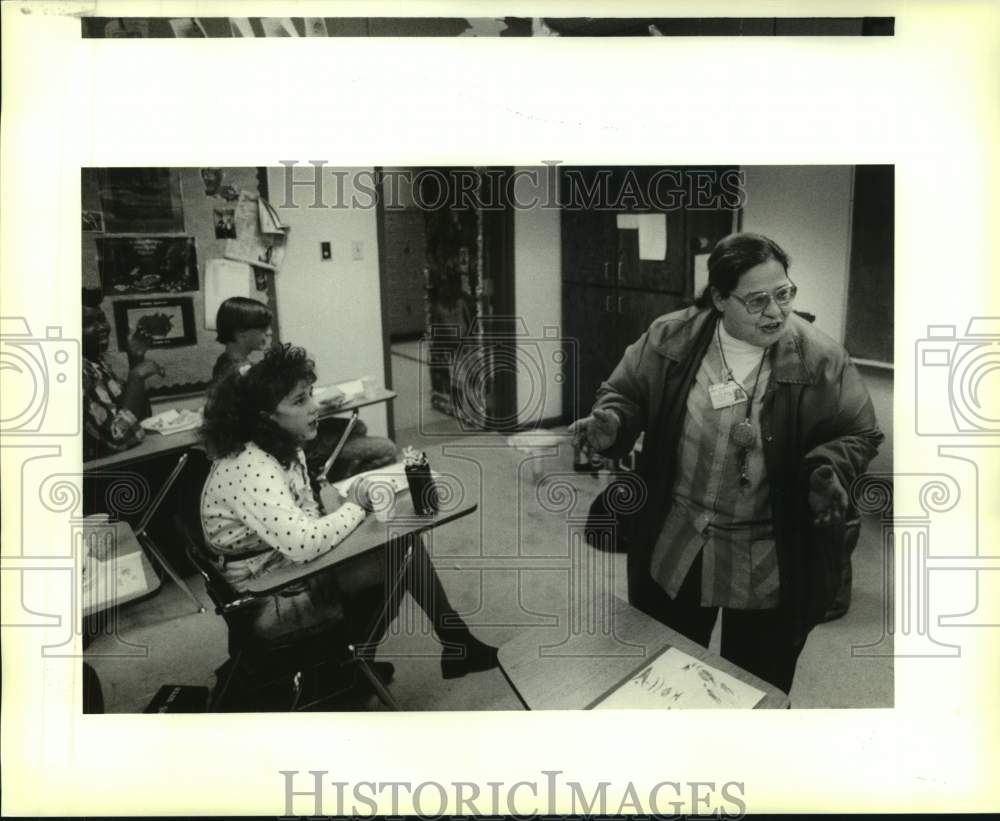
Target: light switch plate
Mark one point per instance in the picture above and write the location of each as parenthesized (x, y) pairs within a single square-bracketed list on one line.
[(357, 249)]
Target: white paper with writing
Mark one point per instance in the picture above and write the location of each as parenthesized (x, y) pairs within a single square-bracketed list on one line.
[(677, 681)]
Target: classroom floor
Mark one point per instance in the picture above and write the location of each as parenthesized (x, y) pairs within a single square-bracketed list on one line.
[(161, 641)]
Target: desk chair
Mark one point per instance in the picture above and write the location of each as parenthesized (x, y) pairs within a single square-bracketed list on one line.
[(149, 545), (271, 662)]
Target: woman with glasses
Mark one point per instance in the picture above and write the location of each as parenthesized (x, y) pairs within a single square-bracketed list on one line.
[(756, 424)]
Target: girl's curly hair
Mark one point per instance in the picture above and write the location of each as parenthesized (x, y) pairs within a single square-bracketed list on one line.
[(238, 405)]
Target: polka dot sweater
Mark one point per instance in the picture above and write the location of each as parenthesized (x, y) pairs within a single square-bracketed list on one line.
[(250, 501)]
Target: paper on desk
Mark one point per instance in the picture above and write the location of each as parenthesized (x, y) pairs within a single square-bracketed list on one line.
[(224, 278), (329, 395), (352, 389), (394, 475), (173, 421), (677, 681), (118, 578)]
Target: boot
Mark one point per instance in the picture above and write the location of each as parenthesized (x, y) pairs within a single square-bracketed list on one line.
[(463, 653)]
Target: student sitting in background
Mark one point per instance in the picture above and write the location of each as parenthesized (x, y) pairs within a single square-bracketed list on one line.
[(112, 410), (243, 325)]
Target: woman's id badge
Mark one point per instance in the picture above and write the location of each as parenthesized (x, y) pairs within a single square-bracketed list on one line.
[(726, 394)]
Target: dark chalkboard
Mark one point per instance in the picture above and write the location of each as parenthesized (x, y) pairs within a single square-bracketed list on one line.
[(868, 334)]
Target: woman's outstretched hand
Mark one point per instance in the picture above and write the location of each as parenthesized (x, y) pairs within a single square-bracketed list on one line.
[(599, 431), (827, 497)]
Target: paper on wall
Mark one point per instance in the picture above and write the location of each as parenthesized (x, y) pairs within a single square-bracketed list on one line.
[(652, 236), (677, 681), (224, 278), (626, 221), (251, 244)]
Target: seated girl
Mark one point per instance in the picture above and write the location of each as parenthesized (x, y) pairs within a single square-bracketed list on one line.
[(244, 326), (260, 513)]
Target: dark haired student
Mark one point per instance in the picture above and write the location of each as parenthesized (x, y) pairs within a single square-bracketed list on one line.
[(259, 511), (756, 425), (243, 325)]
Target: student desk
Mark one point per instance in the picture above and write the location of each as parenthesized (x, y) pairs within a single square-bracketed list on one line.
[(156, 444), (573, 682), (123, 574), (369, 535), (177, 444)]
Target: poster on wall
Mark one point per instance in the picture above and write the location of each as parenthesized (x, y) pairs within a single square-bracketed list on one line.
[(168, 323), (147, 264), (141, 201), (260, 248)]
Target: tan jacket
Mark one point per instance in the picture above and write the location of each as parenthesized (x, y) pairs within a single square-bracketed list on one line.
[(816, 411)]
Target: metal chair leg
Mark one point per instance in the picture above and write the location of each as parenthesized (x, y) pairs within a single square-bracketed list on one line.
[(377, 684), (382, 618), (296, 691), (150, 545), (147, 542)]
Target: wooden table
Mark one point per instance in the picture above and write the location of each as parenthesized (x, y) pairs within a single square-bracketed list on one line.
[(574, 682), (371, 534)]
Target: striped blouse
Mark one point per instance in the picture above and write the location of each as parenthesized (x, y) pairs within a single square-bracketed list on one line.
[(711, 514)]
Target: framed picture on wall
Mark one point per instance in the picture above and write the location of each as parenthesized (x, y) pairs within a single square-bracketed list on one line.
[(147, 264), (168, 322), (142, 200)]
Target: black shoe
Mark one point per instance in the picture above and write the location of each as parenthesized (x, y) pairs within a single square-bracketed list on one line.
[(466, 654)]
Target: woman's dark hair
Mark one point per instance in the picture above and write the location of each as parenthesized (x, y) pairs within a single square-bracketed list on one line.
[(732, 257), (240, 313), (238, 405)]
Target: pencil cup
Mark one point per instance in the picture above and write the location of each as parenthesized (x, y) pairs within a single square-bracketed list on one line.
[(422, 490)]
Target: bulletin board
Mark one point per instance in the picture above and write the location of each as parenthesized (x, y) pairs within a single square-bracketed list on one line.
[(147, 236)]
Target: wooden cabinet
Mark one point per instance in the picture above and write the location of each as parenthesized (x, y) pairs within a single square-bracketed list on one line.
[(610, 295)]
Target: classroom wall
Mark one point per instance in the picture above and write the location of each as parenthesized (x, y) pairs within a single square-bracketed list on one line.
[(188, 367), (331, 307), (538, 301), (807, 211)]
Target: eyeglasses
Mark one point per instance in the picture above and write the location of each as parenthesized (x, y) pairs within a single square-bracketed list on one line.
[(757, 301)]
